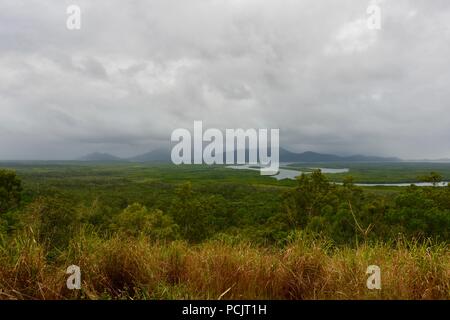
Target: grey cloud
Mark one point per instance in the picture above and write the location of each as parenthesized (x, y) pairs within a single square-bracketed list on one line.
[(138, 70)]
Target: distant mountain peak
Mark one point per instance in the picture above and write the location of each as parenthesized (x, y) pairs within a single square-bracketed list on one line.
[(311, 156), (156, 155), (163, 155)]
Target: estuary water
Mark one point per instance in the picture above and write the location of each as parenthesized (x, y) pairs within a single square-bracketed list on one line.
[(287, 173), (292, 174)]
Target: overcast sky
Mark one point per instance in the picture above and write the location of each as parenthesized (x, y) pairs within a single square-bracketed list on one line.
[(139, 69)]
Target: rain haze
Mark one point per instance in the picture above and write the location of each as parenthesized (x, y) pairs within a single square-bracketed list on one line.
[(137, 70)]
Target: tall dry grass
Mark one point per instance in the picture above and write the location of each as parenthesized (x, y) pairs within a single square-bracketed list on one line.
[(118, 268)]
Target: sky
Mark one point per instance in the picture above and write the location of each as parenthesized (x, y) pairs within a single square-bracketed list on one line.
[(137, 70)]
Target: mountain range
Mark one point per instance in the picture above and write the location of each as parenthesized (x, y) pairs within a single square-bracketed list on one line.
[(163, 155)]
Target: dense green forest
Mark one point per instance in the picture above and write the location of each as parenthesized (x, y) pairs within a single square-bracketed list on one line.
[(194, 206), (382, 172), (199, 203)]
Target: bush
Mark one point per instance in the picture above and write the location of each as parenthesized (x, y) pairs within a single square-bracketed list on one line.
[(54, 219), (10, 190), (137, 220)]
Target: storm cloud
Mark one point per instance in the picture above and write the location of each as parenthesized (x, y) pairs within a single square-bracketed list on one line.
[(137, 70)]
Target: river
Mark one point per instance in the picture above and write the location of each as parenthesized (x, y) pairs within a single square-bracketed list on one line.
[(292, 174)]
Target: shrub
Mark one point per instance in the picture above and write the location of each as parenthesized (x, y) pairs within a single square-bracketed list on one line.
[(137, 220), (10, 190), (54, 219)]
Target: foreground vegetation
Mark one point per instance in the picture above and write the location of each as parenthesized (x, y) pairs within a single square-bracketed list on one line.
[(139, 269), (162, 232)]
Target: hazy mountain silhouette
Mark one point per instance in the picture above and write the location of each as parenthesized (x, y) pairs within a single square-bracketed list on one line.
[(157, 155), (309, 156), (163, 155)]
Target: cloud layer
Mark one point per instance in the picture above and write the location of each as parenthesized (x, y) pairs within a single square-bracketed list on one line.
[(139, 69)]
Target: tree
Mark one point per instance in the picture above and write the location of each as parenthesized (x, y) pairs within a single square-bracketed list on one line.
[(433, 177), (54, 219), (193, 213), (10, 190), (137, 220)]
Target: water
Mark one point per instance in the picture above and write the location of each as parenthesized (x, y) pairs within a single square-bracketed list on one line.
[(292, 174), (419, 184), (288, 173)]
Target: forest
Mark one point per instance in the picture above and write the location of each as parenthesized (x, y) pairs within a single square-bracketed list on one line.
[(159, 231)]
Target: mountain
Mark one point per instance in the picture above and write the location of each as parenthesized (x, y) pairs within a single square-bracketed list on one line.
[(309, 156), (163, 155), (362, 158), (98, 156), (157, 155)]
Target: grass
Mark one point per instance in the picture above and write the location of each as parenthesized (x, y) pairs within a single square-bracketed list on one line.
[(305, 269), (116, 267)]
